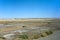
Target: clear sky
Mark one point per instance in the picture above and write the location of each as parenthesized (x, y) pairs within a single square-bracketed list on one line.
[(29, 9)]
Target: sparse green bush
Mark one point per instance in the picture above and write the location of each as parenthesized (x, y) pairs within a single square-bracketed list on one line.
[(23, 36), (2, 38), (49, 32), (36, 36), (43, 34)]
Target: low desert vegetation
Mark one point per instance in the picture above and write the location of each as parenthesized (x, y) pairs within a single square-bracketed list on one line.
[(35, 36), (27, 37)]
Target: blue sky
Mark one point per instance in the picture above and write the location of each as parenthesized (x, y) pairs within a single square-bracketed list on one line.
[(29, 9)]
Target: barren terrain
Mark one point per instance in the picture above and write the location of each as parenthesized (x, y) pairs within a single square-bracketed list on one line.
[(10, 25)]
